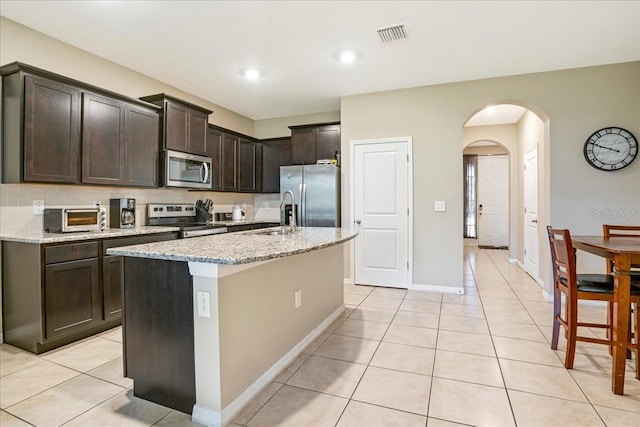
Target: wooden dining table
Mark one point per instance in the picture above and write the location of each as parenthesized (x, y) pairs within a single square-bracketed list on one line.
[(624, 251)]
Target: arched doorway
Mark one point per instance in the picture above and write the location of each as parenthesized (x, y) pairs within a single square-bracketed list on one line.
[(520, 130), (486, 194)]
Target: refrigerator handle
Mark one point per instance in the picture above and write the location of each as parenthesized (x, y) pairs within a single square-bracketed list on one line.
[(303, 206)]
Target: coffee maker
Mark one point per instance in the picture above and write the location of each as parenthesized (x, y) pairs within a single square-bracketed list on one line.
[(122, 213)]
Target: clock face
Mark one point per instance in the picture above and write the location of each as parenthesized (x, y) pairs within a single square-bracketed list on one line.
[(611, 149)]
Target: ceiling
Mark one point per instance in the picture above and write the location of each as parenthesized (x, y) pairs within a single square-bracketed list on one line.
[(202, 47)]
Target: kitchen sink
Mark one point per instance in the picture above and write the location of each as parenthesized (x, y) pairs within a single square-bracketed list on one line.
[(282, 231)]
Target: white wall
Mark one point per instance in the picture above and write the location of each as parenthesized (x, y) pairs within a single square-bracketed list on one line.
[(573, 104)]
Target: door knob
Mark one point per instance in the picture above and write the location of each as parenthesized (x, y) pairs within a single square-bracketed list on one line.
[(535, 221), (358, 222)]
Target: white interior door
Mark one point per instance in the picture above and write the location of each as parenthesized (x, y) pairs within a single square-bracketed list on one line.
[(531, 212), (381, 208), (493, 201)]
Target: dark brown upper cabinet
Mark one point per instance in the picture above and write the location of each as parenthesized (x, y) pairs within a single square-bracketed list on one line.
[(41, 142), (142, 146), (230, 146), (249, 166), (120, 144), (184, 124), (102, 140), (223, 148), (56, 129), (214, 150), (310, 143), (276, 152)]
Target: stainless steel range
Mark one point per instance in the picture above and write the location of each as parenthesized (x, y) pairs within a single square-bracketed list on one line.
[(181, 215)]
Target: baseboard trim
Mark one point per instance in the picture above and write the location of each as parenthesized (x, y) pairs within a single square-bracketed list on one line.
[(435, 288), (217, 419), (348, 281)]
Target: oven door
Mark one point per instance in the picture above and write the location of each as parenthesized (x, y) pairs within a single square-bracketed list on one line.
[(187, 170)]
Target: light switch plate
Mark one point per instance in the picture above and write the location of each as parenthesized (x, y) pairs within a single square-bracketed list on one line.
[(440, 206)]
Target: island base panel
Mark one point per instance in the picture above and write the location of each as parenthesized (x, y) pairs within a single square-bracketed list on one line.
[(158, 332)]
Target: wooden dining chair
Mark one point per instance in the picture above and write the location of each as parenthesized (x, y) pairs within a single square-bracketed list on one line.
[(575, 287), (608, 231)]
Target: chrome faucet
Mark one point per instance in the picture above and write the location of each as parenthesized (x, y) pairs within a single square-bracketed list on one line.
[(292, 226)]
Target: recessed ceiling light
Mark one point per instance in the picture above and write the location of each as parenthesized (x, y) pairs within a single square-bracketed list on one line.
[(252, 74), (347, 56)]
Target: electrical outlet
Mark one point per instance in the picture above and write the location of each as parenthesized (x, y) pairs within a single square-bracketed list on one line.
[(297, 298), (204, 305), (440, 206), (38, 207)]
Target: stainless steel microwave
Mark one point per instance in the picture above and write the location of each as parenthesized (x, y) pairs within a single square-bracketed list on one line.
[(67, 220), (186, 170)]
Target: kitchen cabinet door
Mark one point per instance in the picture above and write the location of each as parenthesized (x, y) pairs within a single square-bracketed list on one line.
[(214, 150), (176, 126), (310, 143), (72, 297), (327, 141), (230, 161), (198, 123), (112, 280), (275, 153), (120, 143), (142, 147), (184, 124), (51, 131), (103, 154), (249, 166), (303, 146)]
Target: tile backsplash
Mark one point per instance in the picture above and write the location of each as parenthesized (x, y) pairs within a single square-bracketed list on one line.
[(16, 202)]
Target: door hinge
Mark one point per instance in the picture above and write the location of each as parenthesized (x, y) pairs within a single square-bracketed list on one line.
[(407, 158), (525, 251), (407, 265), (407, 211)]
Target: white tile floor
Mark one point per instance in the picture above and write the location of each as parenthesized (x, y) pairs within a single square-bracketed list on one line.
[(395, 358)]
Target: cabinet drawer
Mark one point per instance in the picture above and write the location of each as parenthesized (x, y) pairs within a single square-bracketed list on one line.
[(136, 240), (63, 253)]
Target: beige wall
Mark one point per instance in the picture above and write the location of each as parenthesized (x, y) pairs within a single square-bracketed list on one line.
[(573, 104), (20, 43), (277, 127)]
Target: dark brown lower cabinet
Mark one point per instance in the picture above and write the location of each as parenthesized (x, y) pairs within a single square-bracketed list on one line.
[(54, 294), (72, 297), (112, 279)]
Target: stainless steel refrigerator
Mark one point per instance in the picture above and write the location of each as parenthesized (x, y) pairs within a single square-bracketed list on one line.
[(317, 194)]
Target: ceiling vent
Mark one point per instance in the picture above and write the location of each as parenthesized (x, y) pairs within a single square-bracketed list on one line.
[(389, 34)]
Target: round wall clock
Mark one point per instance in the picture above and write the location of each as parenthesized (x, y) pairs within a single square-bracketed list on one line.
[(610, 149)]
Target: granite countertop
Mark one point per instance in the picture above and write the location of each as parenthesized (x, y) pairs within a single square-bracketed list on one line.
[(43, 237), (240, 248)]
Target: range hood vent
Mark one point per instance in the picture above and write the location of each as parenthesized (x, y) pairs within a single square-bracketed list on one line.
[(389, 34)]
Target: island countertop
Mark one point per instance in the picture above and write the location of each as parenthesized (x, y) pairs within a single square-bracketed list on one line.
[(240, 248)]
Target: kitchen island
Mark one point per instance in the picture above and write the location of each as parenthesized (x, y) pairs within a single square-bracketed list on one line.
[(210, 321)]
